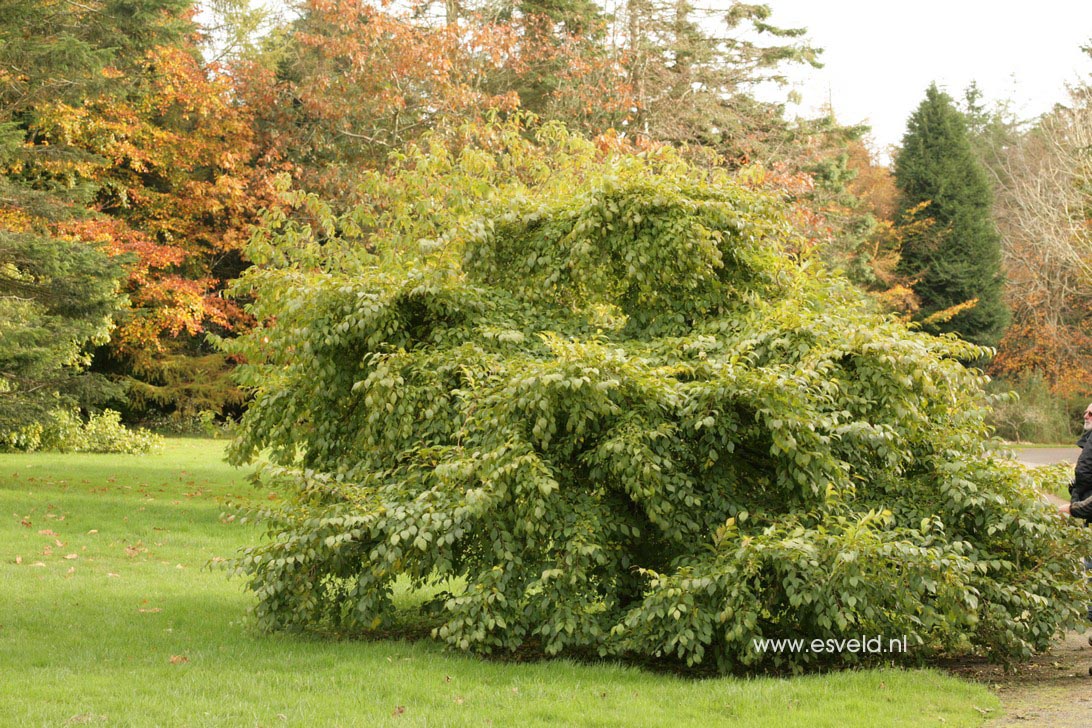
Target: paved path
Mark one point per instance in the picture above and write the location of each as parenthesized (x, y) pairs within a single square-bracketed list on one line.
[(1047, 455)]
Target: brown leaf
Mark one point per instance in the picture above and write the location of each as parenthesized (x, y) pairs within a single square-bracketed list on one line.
[(37, 563), (46, 532), (92, 531), (71, 556), (59, 542), (18, 559), (110, 573), (26, 521), (398, 711), (178, 659)]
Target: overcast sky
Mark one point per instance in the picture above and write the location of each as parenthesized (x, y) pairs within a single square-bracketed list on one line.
[(879, 56)]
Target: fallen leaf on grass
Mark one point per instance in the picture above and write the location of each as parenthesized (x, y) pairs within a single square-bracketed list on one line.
[(26, 522), (46, 532), (71, 556), (152, 610), (110, 573), (58, 542), (398, 711), (47, 551), (92, 531), (459, 700), (179, 659), (71, 571), (37, 563), (18, 559)]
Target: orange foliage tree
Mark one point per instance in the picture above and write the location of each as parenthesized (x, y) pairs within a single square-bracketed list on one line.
[(1044, 210), (174, 163), (353, 82)]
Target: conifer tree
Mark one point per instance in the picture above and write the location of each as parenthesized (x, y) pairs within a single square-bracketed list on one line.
[(956, 260), (59, 290)]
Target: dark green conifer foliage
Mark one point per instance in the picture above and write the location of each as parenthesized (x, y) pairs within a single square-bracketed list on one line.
[(959, 259), (57, 295)]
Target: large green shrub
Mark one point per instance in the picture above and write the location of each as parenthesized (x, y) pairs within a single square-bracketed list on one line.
[(626, 422)]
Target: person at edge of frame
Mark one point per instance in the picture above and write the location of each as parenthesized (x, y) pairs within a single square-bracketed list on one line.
[(1080, 490)]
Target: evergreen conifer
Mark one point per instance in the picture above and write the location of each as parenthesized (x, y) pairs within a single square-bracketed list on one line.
[(957, 259)]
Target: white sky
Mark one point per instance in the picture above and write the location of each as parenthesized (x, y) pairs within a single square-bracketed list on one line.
[(879, 55)]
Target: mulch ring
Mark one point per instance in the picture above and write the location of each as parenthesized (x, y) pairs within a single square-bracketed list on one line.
[(1053, 689)]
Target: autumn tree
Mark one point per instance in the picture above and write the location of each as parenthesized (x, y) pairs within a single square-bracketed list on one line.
[(1043, 209), (179, 185), (168, 159), (566, 70), (956, 261), (353, 82), (349, 82), (58, 292)]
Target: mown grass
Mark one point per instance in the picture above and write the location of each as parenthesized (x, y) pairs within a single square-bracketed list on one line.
[(108, 617)]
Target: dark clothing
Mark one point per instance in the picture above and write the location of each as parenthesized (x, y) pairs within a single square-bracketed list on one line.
[(1080, 491), (1080, 495)]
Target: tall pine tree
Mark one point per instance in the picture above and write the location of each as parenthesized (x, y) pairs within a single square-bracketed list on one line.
[(956, 260)]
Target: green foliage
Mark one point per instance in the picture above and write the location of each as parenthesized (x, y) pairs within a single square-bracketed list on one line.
[(627, 422), (1030, 412), (56, 300), (959, 259), (62, 430)]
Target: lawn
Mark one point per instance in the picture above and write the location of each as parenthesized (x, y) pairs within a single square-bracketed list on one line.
[(110, 616)]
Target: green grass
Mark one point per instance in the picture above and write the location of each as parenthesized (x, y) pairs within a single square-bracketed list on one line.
[(121, 625)]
